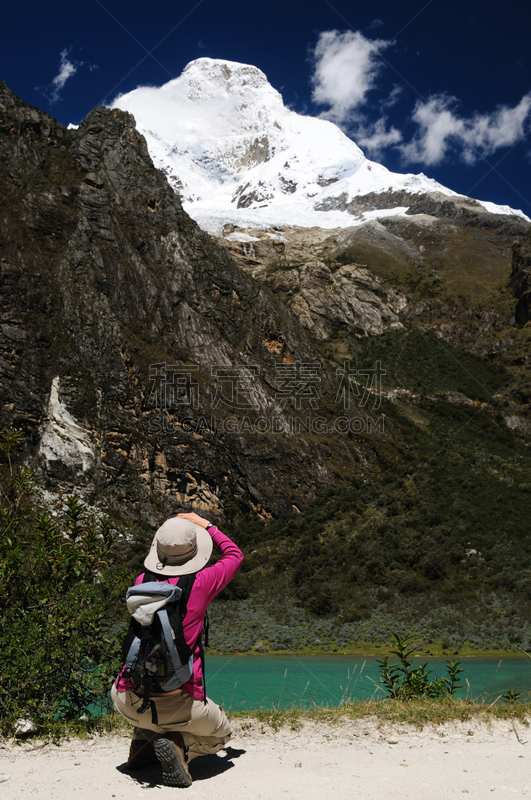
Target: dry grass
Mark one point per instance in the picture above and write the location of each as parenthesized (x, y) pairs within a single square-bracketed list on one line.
[(417, 713)]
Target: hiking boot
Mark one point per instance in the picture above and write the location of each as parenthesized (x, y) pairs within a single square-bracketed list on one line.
[(170, 751), (141, 754)]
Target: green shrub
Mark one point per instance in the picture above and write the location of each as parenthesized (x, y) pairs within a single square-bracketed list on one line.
[(55, 594), (404, 682)]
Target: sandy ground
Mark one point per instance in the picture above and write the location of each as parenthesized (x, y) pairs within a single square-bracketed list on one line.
[(354, 759)]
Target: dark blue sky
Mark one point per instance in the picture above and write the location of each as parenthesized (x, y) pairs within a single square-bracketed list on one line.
[(466, 58)]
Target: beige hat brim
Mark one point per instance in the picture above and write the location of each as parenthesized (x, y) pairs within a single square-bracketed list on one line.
[(204, 551)]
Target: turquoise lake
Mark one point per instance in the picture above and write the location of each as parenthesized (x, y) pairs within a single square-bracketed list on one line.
[(240, 683)]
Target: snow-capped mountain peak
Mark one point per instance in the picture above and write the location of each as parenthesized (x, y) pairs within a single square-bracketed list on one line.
[(206, 79), (226, 141)]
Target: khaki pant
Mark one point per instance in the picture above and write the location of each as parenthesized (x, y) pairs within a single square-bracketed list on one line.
[(204, 727)]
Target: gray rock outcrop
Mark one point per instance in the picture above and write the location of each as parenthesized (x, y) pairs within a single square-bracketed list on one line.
[(350, 296)]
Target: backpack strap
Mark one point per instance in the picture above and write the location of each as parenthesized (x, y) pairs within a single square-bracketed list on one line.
[(148, 577), (176, 614), (132, 632), (202, 657), (186, 583)]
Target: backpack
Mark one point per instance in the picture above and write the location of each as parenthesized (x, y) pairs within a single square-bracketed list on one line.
[(156, 655)]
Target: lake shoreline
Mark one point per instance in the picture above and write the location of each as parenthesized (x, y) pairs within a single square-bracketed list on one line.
[(365, 650)]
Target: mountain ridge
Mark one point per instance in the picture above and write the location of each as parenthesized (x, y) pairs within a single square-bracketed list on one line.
[(226, 142)]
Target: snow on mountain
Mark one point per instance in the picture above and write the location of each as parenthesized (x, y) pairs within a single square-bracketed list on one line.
[(227, 143)]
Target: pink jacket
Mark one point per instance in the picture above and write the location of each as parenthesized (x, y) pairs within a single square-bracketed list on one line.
[(208, 583)]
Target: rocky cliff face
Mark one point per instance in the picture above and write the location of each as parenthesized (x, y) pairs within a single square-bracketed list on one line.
[(410, 269), (323, 296), (132, 349), (521, 279), (444, 268)]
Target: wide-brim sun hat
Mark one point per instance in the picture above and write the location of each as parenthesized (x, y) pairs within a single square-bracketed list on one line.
[(179, 547)]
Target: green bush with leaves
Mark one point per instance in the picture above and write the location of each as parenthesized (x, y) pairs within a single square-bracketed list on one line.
[(511, 696), (55, 595), (404, 682)]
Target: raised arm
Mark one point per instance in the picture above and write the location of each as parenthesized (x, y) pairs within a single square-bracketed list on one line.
[(217, 576)]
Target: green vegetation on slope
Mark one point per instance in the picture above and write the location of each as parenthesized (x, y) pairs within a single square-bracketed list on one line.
[(434, 542), (420, 362)]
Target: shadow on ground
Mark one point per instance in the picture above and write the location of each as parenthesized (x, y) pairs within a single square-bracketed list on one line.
[(201, 768)]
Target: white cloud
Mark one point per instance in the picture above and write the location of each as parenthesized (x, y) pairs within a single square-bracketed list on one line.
[(346, 66), (394, 97), (376, 138), (66, 69), (442, 129)]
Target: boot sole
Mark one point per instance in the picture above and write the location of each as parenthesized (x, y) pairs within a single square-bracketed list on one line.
[(173, 771)]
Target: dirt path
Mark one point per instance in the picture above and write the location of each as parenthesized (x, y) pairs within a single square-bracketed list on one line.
[(340, 761)]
